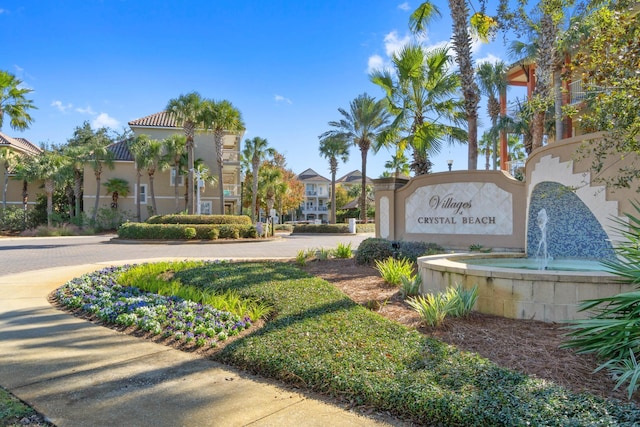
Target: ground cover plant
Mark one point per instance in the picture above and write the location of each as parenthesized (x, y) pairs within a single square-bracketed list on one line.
[(319, 338), (13, 412)]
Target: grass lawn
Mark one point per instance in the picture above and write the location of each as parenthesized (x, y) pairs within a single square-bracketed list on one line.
[(316, 337)]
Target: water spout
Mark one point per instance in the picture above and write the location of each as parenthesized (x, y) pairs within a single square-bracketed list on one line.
[(541, 254)]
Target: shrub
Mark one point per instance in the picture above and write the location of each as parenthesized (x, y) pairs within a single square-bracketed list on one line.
[(323, 254), (189, 233), (13, 219), (432, 308), (461, 300), (229, 232), (343, 251), (612, 332), (410, 286), (393, 270), (373, 249), (213, 234), (199, 219), (365, 228), (320, 228)]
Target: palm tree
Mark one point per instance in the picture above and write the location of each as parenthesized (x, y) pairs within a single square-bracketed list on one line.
[(8, 158), (421, 93), (334, 148), (220, 117), (25, 171), (138, 148), (462, 46), (361, 125), (486, 147), (270, 185), (153, 162), (175, 149), (188, 112), (398, 165), (492, 79), (117, 187), (99, 157), (13, 102), (255, 151), (47, 166)]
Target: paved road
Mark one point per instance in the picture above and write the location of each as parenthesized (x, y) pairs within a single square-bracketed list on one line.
[(19, 255)]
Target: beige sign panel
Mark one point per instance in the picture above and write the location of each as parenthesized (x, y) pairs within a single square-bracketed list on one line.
[(459, 208)]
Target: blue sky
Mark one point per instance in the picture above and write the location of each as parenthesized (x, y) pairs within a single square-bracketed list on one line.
[(286, 65)]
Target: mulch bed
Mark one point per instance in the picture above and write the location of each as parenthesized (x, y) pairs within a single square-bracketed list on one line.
[(527, 346)]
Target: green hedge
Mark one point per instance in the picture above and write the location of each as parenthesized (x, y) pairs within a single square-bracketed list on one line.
[(376, 249), (365, 228), (321, 228), (135, 230), (200, 219)]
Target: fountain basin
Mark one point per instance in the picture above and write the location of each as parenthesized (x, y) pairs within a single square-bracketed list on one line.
[(546, 295)]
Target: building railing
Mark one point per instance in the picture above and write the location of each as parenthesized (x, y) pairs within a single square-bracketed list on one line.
[(231, 156), (315, 209), (231, 189)]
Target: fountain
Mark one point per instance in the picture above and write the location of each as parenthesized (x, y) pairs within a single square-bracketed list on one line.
[(566, 243), (543, 258)]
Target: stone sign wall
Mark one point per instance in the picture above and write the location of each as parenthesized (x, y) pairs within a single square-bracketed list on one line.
[(454, 209)]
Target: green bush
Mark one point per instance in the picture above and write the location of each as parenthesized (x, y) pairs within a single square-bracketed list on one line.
[(320, 228), (365, 228), (376, 249), (108, 219), (283, 227), (393, 270), (189, 233), (13, 219), (213, 234), (135, 230), (199, 219), (343, 251)]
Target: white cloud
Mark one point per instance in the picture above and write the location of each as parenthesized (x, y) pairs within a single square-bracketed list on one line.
[(104, 120), (404, 6), (61, 107), (490, 58), (87, 110), (280, 98), (375, 63), (393, 44)]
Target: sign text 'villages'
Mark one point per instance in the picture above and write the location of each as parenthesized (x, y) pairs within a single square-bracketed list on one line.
[(454, 209), (449, 203)]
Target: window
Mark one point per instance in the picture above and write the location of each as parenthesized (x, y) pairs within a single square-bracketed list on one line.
[(205, 208), (143, 193), (173, 178)]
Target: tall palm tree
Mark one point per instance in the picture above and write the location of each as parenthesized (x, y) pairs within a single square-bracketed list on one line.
[(334, 148), (459, 9), (399, 164), (220, 117), (99, 157), (254, 152), (422, 95), (492, 79), (138, 147), (188, 112), (153, 162), (13, 102), (25, 171), (47, 166), (8, 158), (175, 148), (361, 125)]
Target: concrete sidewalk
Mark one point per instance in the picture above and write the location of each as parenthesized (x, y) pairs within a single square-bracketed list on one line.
[(79, 374)]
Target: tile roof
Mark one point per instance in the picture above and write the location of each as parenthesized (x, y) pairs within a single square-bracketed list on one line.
[(310, 174), (20, 144), (121, 151), (353, 177), (161, 119)]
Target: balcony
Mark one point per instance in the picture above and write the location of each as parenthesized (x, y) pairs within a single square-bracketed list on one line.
[(315, 209), (231, 156), (232, 190)]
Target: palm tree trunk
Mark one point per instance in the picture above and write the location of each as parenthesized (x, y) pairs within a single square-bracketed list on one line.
[(77, 190), (254, 191), (220, 158), (334, 162), (48, 185), (95, 206), (190, 160), (153, 193), (138, 177), (363, 194), (4, 190)]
